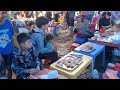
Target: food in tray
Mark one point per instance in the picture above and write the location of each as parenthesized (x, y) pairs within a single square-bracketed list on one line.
[(69, 62), (87, 48), (60, 64), (76, 62), (68, 65), (72, 65), (61, 61)]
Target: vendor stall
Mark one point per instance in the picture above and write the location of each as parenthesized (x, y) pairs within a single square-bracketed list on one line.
[(75, 72)]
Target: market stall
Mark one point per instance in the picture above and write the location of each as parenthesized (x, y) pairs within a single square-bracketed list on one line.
[(76, 71), (106, 38)]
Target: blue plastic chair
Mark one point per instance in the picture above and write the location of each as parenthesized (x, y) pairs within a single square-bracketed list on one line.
[(80, 40), (98, 49)]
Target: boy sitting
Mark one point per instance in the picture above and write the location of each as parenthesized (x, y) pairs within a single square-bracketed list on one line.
[(24, 61)]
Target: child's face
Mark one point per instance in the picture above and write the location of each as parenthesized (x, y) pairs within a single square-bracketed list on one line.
[(33, 26), (27, 45), (45, 27), (3, 15)]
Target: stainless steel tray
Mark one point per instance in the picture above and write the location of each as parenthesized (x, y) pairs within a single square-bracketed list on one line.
[(65, 67)]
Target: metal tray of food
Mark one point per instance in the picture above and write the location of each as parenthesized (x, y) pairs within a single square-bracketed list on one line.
[(70, 62), (87, 48)]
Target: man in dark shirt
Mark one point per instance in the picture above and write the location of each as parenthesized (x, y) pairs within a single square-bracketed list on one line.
[(105, 21)]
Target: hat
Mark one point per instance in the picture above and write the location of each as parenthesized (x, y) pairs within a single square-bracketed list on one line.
[(20, 24)]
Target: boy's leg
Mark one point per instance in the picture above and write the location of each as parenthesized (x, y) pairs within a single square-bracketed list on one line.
[(53, 56), (2, 66), (8, 62)]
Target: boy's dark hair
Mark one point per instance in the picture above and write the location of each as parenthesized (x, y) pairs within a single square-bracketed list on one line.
[(49, 37), (103, 14), (30, 23), (109, 13), (41, 21), (23, 37)]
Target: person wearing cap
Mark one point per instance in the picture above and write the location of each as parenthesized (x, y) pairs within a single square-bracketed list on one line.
[(106, 21)]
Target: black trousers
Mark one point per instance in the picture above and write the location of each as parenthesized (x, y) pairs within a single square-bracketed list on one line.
[(56, 16), (53, 56), (6, 64)]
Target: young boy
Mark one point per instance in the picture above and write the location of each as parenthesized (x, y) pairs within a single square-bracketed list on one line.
[(6, 45), (44, 52), (24, 61)]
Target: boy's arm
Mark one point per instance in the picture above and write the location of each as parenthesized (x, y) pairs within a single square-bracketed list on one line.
[(17, 68)]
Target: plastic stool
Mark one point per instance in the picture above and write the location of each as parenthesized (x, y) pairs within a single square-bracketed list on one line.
[(73, 46), (47, 63)]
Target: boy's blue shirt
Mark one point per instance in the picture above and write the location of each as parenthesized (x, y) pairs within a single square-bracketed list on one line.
[(6, 33)]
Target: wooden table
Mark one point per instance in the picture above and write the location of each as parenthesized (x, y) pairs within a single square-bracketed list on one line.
[(87, 60), (105, 43)]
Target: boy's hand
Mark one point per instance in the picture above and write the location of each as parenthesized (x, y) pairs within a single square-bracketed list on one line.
[(38, 67), (33, 71)]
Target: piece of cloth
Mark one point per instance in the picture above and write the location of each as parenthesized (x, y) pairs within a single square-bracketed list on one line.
[(6, 33)]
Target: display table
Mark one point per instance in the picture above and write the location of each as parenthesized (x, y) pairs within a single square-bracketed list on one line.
[(87, 61), (98, 49)]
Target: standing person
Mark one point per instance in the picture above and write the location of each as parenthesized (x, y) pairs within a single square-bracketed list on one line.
[(71, 21), (65, 19), (56, 16), (90, 15), (38, 38), (49, 15), (6, 45)]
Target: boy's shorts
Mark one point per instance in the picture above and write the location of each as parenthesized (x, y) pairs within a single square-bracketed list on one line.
[(7, 61)]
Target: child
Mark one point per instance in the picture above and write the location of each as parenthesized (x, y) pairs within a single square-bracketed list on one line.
[(44, 52), (24, 61), (6, 45), (31, 26), (49, 39)]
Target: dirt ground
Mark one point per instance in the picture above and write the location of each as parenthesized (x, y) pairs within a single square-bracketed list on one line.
[(63, 42)]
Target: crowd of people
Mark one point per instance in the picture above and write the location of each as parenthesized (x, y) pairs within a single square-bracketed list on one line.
[(33, 44)]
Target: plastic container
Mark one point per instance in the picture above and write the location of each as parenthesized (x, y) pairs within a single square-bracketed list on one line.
[(44, 77), (53, 74), (95, 74)]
